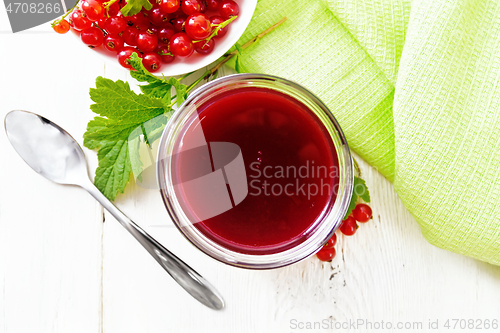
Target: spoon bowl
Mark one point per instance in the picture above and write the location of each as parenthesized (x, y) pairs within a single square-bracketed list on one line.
[(46, 147), (52, 152)]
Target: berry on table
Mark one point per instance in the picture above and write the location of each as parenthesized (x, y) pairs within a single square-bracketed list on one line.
[(362, 213), (331, 242), (349, 226), (62, 27), (326, 254)]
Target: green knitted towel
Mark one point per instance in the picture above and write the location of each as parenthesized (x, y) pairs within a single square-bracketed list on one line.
[(416, 88)]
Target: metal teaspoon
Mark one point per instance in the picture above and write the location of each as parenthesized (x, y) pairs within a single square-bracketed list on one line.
[(54, 154)]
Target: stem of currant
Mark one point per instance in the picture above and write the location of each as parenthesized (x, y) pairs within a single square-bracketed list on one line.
[(357, 169), (109, 4), (190, 87), (216, 30), (226, 58), (252, 41), (56, 22)]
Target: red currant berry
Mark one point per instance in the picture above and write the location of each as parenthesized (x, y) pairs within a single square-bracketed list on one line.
[(326, 254), (62, 27), (178, 23), (113, 43), (79, 20), (100, 22), (213, 5), (142, 25), (170, 6), (165, 33), (190, 7), (349, 226), (146, 12), (157, 17), (198, 26), (93, 37), (203, 5), (93, 9), (152, 61), (146, 42), (124, 54), (216, 20), (362, 213), (153, 29), (113, 10), (129, 21), (228, 9), (178, 13), (331, 242), (181, 45), (130, 36), (139, 21), (115, 25), (204, 47), (165, 54)]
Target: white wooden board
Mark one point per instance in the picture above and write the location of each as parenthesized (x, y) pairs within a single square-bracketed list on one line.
[(66, 268)]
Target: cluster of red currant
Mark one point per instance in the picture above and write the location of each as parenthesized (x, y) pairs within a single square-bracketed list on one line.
[(361, 213), (171, 28)]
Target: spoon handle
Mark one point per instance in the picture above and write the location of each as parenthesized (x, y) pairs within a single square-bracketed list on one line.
[(184, 275)]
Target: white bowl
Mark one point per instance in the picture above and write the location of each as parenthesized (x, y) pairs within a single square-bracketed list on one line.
[(196, 61)]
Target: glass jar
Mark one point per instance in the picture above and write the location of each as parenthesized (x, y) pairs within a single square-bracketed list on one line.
[(183, 150)]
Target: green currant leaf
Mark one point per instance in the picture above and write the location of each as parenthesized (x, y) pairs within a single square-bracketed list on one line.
[(116, 100), (114, 168), (114, 132), (180, 89), (135, 6), (359, 191), (157, 87)]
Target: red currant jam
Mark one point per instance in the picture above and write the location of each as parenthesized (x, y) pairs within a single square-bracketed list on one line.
[(268, 157)]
